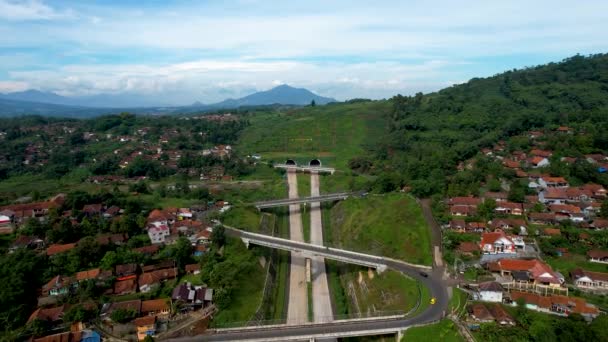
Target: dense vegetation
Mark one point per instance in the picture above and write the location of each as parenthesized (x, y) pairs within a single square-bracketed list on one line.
[(533, 326), (430, 134)]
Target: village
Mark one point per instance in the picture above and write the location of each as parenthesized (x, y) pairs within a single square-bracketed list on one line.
[(532, 238), (140, 298)]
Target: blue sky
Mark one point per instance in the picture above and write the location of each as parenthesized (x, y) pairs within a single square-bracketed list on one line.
[(186, 51)]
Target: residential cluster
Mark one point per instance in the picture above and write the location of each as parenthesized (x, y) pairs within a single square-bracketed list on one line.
[(535, 233), (146, 294)]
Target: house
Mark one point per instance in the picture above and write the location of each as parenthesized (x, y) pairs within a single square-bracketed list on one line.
[(88, 275), (559, 305), (146, 326), (597, 191), (508, 223), (59, 285), (148, 250), (158, 233), (578, 194), (553, 182), (92, 209), (541, 153), (479, 313), (553, 196), (155, 307), (125, 271), (589, 280), (193, 269), (158, 266), (462, 210), (600, 223), (112, 211), (496, 242), (160, 217), (550, 232), (597, 255), (203, 237), (490, 291), (149, 280), (497, 196), (500, 315), (108, 308), (511, 164), (123, 287), (199, 250), (24, 241), (57, 248), (531, 271), (49, 315), (509, 208), (468, 248), (537, 161), (465, 201), (192, 296), (106, 239), (458, 225), (542, 218)]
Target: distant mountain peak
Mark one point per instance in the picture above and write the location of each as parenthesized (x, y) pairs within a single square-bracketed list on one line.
[(281, 94)]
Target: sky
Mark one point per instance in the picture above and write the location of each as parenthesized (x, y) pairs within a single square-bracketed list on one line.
[(184, 51)]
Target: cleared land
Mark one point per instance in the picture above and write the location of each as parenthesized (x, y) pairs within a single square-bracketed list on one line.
[(369, 293), (390, 225), (334, 134)]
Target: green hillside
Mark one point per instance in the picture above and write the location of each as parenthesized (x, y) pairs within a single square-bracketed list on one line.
[(429, 134), (335, 133)]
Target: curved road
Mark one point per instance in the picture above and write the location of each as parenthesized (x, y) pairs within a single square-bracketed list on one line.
[(434, 282)]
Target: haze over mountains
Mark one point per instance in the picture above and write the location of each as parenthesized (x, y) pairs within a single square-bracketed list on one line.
[(48, 103)]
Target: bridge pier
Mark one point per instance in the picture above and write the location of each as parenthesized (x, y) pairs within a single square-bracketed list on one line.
[(245, 241), (400, 335)]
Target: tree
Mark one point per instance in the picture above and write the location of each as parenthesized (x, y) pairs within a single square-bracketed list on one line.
[(486, 209), (123, 315), (313, 103), (218, 236), (604, 209), (182, 252)]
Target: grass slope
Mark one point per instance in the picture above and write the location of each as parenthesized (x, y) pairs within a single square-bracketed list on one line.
[(390, 225), (444, 331), (333, 133)]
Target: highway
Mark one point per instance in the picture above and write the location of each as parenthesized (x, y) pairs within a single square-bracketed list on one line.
[(433, 281), (435, 312), (302, 200)]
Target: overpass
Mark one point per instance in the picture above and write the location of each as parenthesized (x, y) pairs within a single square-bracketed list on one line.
[(307, 249), (289, 201), (317, 331), (305, 168), (432, 279)]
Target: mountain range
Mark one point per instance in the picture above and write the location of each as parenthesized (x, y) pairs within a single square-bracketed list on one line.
[(48, 103)]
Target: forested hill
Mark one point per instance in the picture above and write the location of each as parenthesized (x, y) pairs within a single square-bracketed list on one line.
[(430, 134)]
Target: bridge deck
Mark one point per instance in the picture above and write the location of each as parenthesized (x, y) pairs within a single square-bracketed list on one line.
[(302, 200)]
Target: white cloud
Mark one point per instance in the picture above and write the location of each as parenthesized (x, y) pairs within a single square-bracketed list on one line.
[(30, 10), (12, 86), (207, 51)]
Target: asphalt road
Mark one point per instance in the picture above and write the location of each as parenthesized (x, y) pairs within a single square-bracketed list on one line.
[(433, 312), (434, 282), (297, 307), (322, 311)]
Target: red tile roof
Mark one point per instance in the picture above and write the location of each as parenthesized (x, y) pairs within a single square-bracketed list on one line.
[(56, 249), (154, 305), (86, 275), (48, 314)]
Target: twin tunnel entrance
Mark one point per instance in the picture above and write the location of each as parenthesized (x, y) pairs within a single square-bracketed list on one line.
[(312, 163)]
